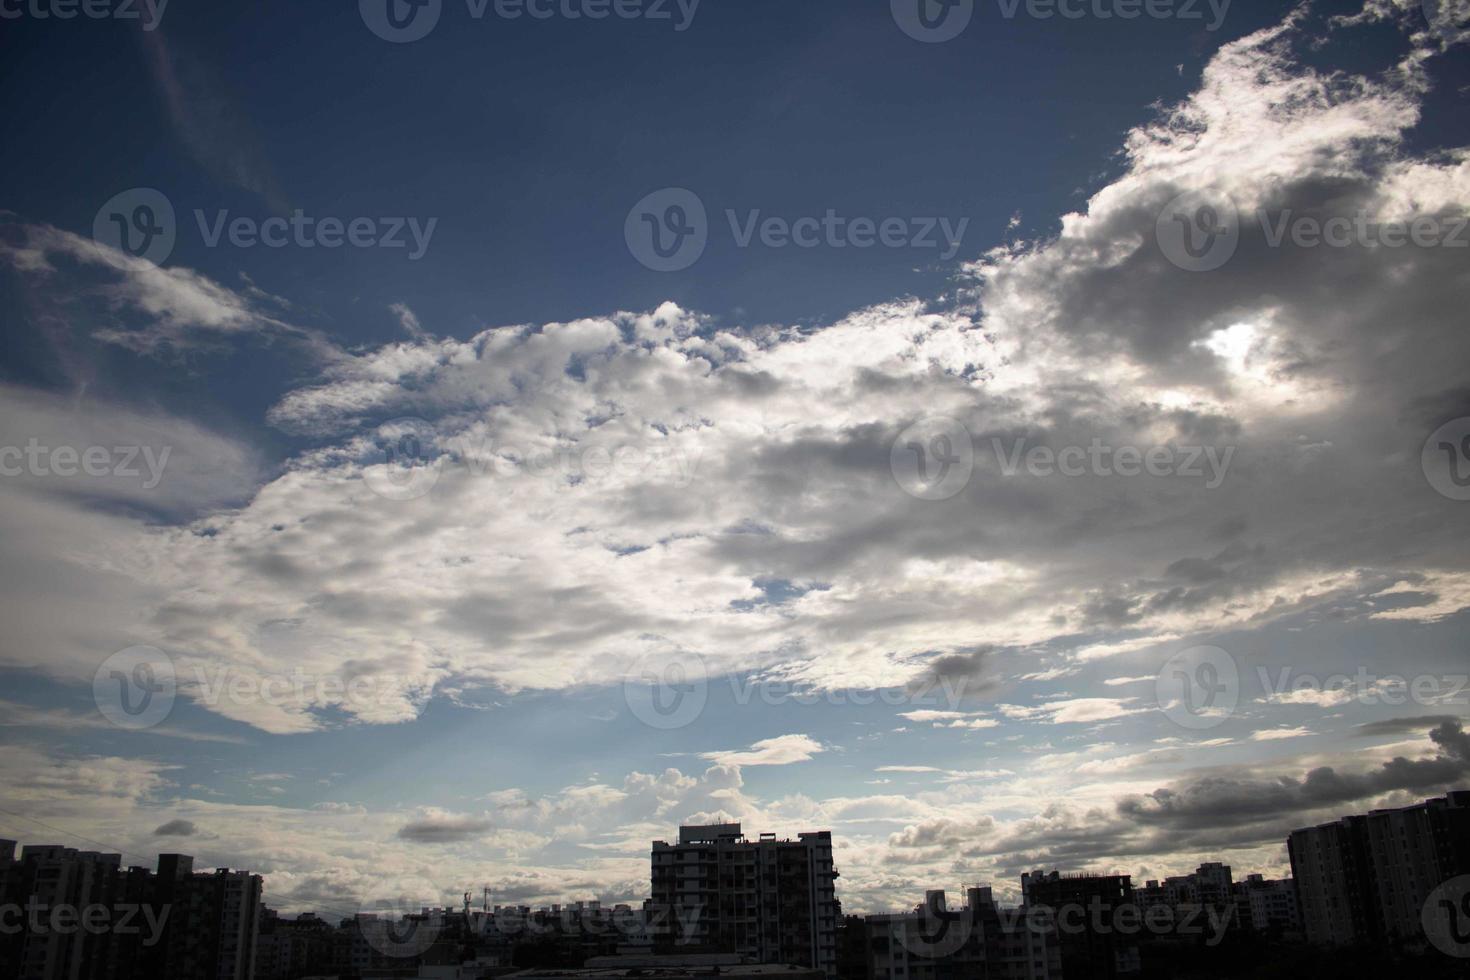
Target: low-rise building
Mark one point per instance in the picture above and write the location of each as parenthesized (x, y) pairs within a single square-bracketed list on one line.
[(981, 939)]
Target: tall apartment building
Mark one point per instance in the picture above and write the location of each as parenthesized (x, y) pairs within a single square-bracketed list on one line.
[(54, 879), (214, 921), (1366, 878), (1210, 889), (978, 940), (94, 920), (771, 900), (1265, 905), (1092, 945)]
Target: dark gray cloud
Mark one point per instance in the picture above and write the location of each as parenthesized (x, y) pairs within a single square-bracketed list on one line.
[(1218, 811), (176, 828), (444, 829), (964, 675), (1405, 726), (1226, 800)]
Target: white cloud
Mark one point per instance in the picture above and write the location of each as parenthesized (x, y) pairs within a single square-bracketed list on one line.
[(782, 750), (1274, 734), (1074, 710)]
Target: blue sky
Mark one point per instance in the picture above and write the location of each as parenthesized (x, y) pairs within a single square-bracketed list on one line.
[(506, 590)]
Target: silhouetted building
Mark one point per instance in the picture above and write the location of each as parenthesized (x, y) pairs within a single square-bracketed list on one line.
[(295, 947), (83, 917), (1194, 905), (1366, 878), (52, 887), (1270, 906), (1088, 909), (773, 901), (214, 918), (980, 940), (854, 959), (674, 967)]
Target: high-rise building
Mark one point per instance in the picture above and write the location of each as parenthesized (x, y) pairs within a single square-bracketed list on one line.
[(1088, 909), (1366, 878), (84, 917), (771, 900), (51, 887)]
